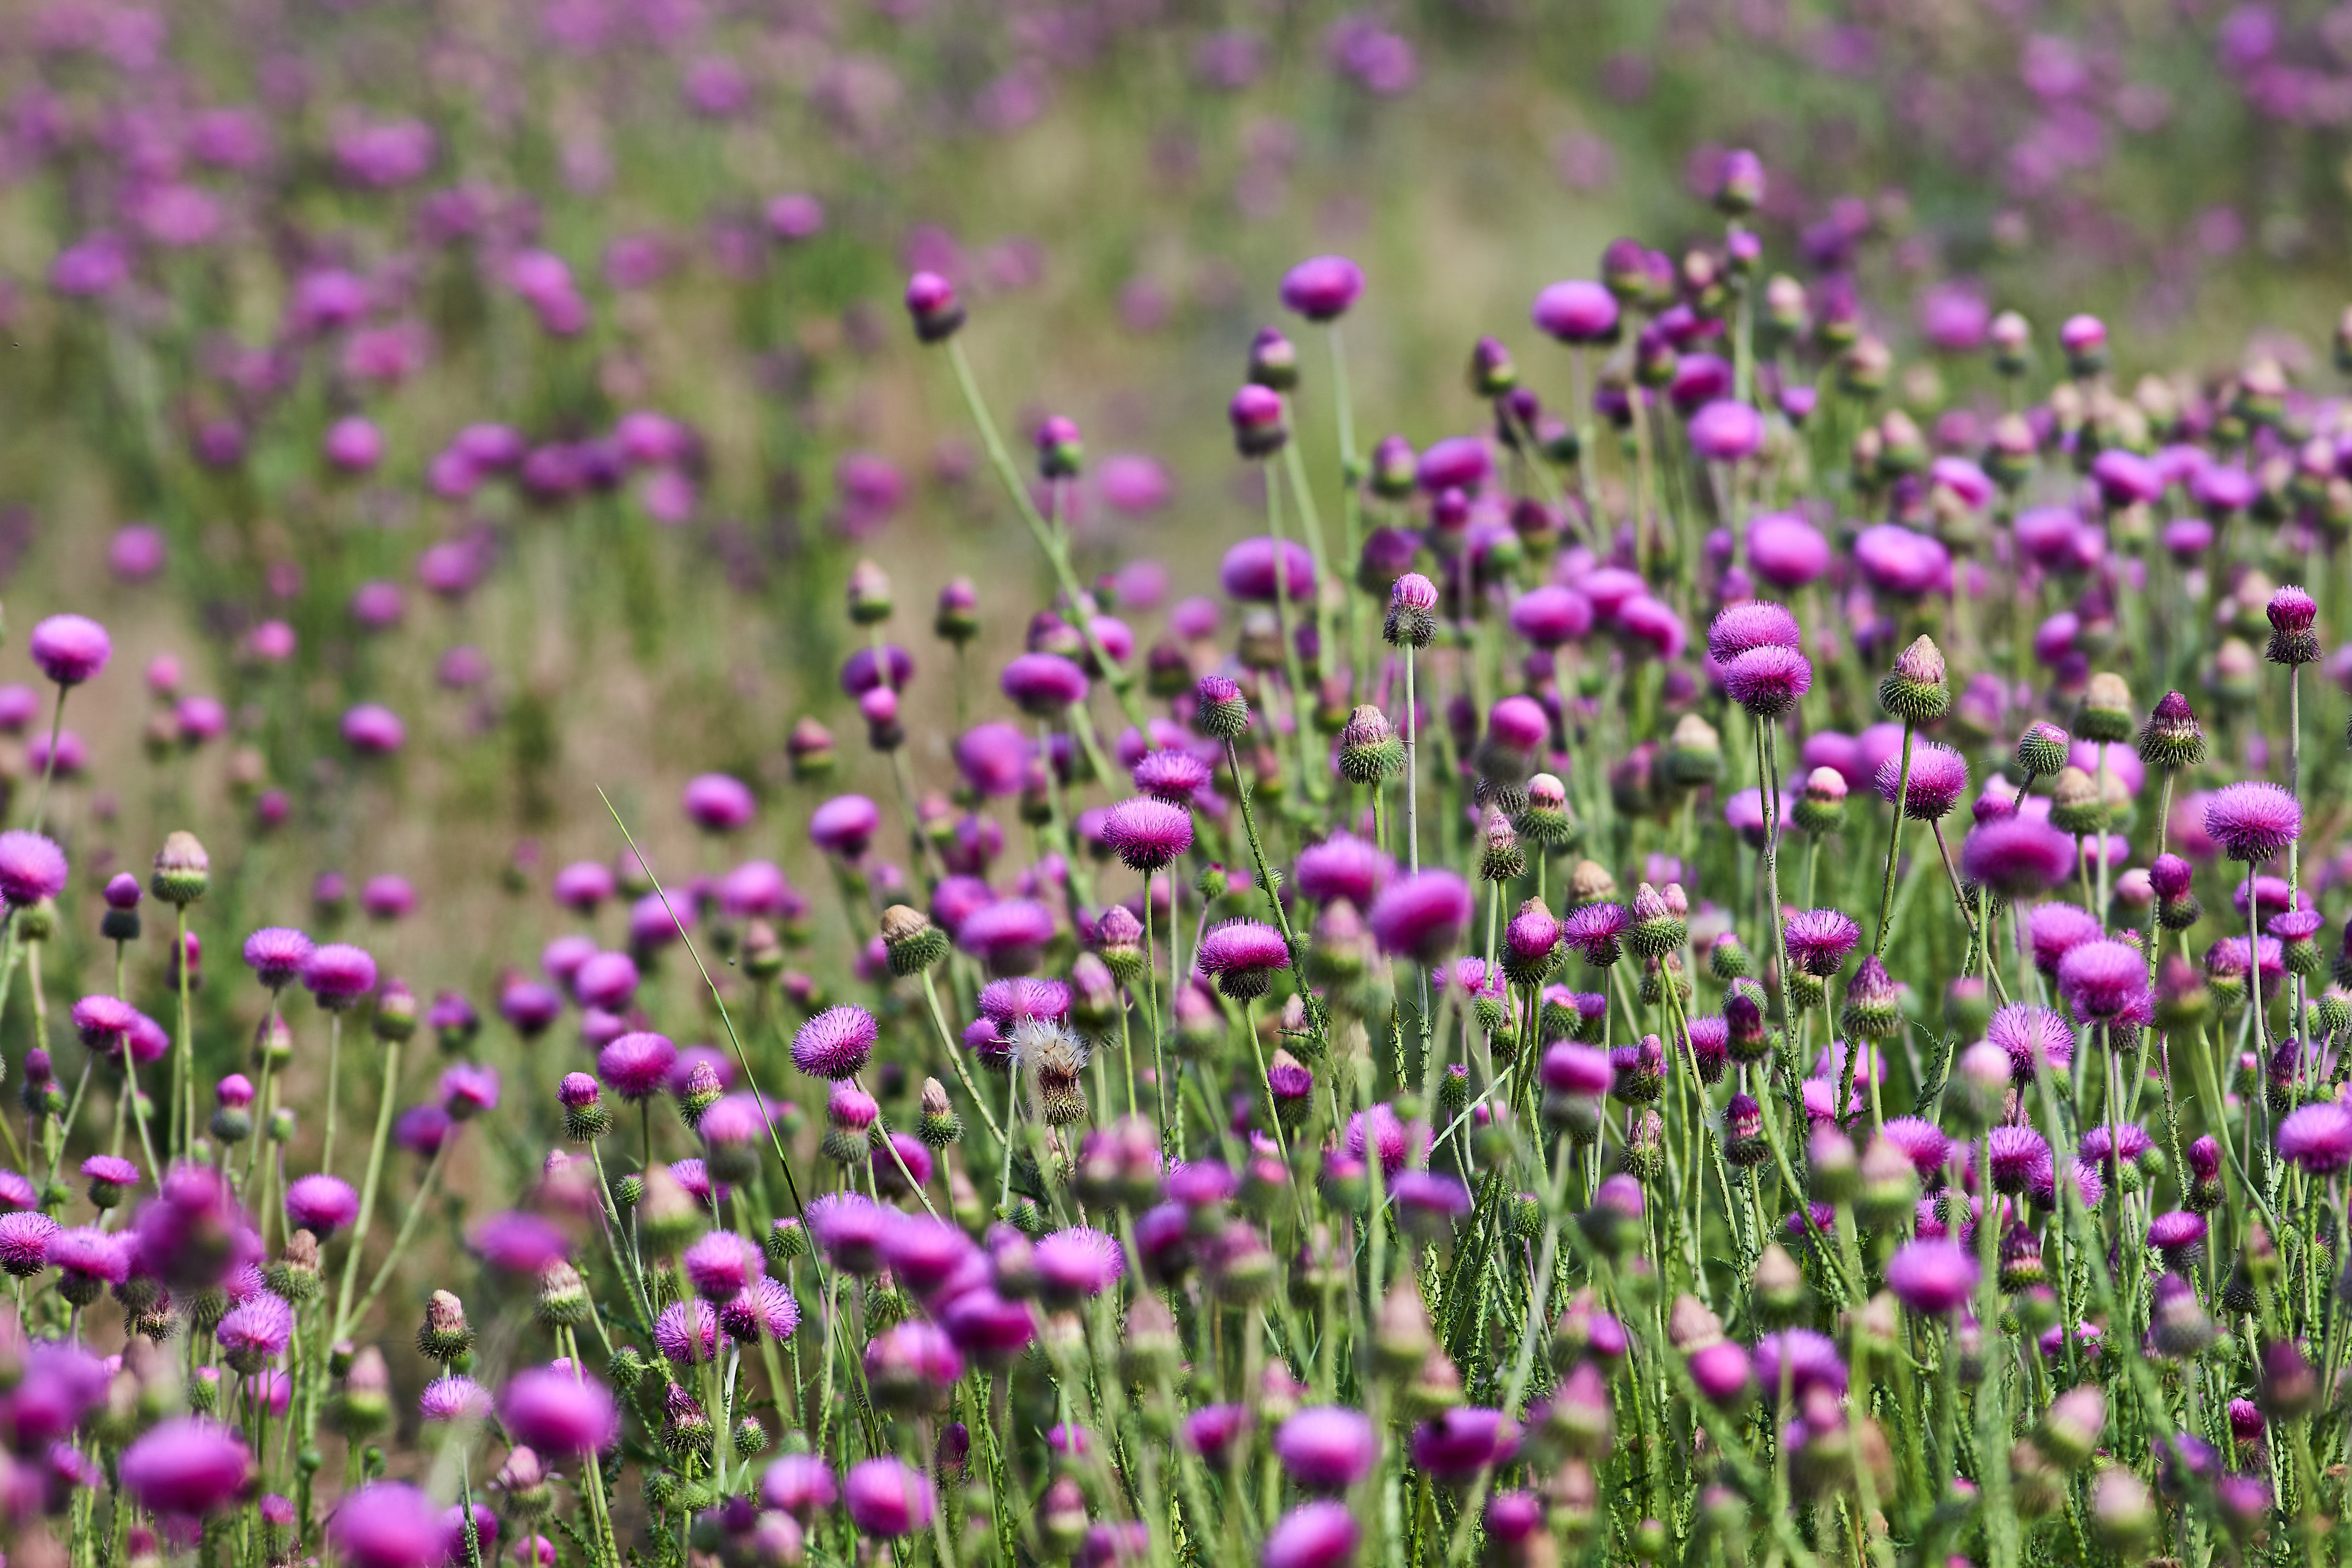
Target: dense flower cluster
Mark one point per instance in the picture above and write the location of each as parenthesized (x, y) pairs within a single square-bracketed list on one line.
[(1690, 969)]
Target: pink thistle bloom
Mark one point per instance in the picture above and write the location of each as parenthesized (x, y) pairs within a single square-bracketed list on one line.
[(1322, 287), (373, 730), (1785, 551), (636, 1067), (2056, 930), (467, 1090), (1076, 1264), (718, 1265), (255, 1331), (519, 1243), (1896, 561), (1240, 954), (1935, 1278), (1422, 918), (70, 649), (1043, 685), (849, 1228), (31, 868), (2021, 1157), (1768, 681), (103, 1022), (835, 1044), (1172, 774), (1326, 1448), (2317, 1137), (844, 826), (1343, 867), (320, 1204), (423, 1129), (1727, 431), (1549, 616), (2253, 820), (188, 1464), (278, 956), (2034, 1037), (1576, 311), (1940, 776), (583, 885), (1458, 1443), (607, 980), (90, 1254), (687, 1333), (1248, 572), (716, 803), (1819, 941), (1319, 1534), (2017, 857), (2103, 980), (801, 1485), (888, 1497), (557, 1413), (339, 974), (1148, 833), (987, 1328), (762, 1307), (1023, 998), (1922, 1143), (1009, 936), (1378, 1130), (453, 1398)]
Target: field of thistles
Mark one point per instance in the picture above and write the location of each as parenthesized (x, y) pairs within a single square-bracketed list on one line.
[(696, 875)]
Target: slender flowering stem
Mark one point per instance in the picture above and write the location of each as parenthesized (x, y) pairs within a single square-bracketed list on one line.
[(1894, 846)]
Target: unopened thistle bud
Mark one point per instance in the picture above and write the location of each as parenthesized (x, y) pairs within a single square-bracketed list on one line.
[(1694, 753), (1967, 1006), (1256, 414), (1915, 690), (294, 1273), (445, 1334), (936, 1122), (1820, 811), (2173, 740), (763, 951), (869, 594), (2106, 714), (2041, 750), (1656, 930), (1873, 1008), (562, 1295), (2294, 639), (1272, 361), (1589, 883), (120, 921), (668, 1215), (364, 1407), (2021, 1266), (586, 1118), (1412, 619), (956, 619), (911, 943), (700, 1091), (1743, 1133), (786, 1240), (933, 308), (2075, 803), (1223, 712), (1544, 821), (2012, 337), (1746, 1039), (810, 748), (1644, 1154), (1728, 961), (1369, 748), (183, 870), (1502, 860), (1492, 374), (1061, 447), (395, 1014)]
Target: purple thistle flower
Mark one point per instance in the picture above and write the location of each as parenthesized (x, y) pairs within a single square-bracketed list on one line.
[(278, 956), (1768, 681), (1043, 685), (1148, 833), (1320, 1534), (1940, 776), (2253, 820), (31, 868), (1172, 774), (764, 1306), (1819, 941), (558, 1413), (2103, 980), (2020, 1158), (687, 1333), (188, 1464), (1326, 1448), (1322, 287), (339, 974), (1576, 311), (2317, 1137), (467, 1091), (1813, 1361), (2017, 857), (2034, 1037), (1551, 615), (1932, 1278), (1009, 937), (1596, 931), (1241, 955), (1076, 1264), (1343, 867), (255, 1331), (1423, 917), (519, 1243), (718, 802), (2056, 930), (718, 1265), (320, 1204), (1456, 1444), (888, 1497), (69, 649), (844, 826), (89, 1256), (636, 1067), (1922, 1143), (834, 1044), (801, 1485)]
